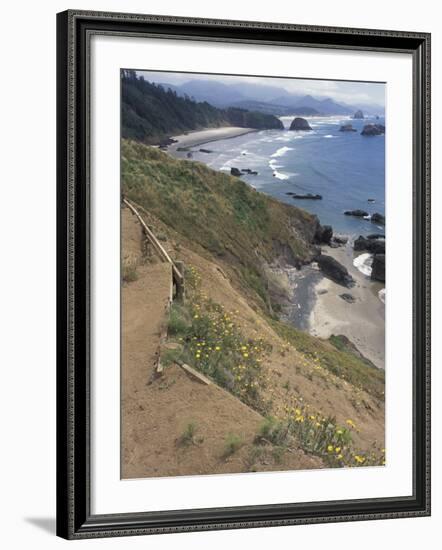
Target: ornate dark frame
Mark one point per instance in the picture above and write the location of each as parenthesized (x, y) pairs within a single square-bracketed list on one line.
[(74, 30)]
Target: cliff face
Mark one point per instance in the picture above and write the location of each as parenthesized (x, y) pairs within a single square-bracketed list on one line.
[(219, 215)]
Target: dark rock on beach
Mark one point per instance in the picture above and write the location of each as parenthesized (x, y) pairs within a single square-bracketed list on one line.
[(299, 123), (373, 130), (376, 236), (235, 172), (359, 114), (206, 151), (378, 268), (347, 298), (375, 246), (324, 234), (335, 271), (358, 213), (248, 171), (166, 142), (347, 128), (340, 239), (378, 218)]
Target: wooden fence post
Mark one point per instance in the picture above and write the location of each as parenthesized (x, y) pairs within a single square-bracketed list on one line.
[(179, 281)]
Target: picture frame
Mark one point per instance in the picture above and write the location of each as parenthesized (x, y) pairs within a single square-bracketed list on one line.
[(75, 518)]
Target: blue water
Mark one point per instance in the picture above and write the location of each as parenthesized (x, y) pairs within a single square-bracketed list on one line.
[(345, 168)]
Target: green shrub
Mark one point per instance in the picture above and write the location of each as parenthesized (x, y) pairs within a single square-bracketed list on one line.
[(233, 442), (179, 320), (188, 436)]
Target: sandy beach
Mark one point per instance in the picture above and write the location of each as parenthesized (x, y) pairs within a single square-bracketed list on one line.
[(200, 137), (363, 321)]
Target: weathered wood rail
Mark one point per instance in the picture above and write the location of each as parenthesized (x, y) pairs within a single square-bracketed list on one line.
[(178, 280), (177, 273)]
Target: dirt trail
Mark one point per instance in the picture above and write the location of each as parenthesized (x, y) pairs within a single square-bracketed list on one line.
[(157, 411), (144, 309)]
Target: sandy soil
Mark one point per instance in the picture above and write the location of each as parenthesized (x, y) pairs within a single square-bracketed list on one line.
[(199, 137), (155, 411), (363, 321), (165, 409)]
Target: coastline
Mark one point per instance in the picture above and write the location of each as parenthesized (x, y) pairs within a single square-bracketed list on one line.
[(208, 135), (315, 304), (363, 321)]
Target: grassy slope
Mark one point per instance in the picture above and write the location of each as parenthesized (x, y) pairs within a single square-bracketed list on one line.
[(212, 220), (243, 228)]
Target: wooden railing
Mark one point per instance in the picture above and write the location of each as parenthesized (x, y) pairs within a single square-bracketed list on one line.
[(177, 274)]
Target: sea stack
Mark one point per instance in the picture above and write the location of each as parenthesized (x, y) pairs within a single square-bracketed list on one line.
[(300, 124), (359, 114), (358, 213), (373, 130), (347, 128)]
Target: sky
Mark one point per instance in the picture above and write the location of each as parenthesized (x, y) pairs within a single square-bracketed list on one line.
[(351, 92)]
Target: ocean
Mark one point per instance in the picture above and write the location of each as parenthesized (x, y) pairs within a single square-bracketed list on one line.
[(347, 169)]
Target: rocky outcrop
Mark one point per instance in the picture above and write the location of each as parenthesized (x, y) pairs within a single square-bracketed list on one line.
[(235, 172), (340, 239), (348, 298), (335, 271), (378, 218), (305, 196), (324, 234), (164, 144), (249, 171), (359, 114), (375, 246), (300, 124), (347, 128), (378, 268), (358, 213), (373, 130)]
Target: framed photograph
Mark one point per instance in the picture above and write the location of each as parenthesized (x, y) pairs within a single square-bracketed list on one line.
[(243, 274)]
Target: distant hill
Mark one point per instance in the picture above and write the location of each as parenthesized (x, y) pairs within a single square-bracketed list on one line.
[(262, 98), (274, 109), (215, 93), (224, 95), (326, 106), (150, 113)]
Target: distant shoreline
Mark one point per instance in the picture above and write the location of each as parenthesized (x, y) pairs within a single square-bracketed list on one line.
[(208, 135)]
